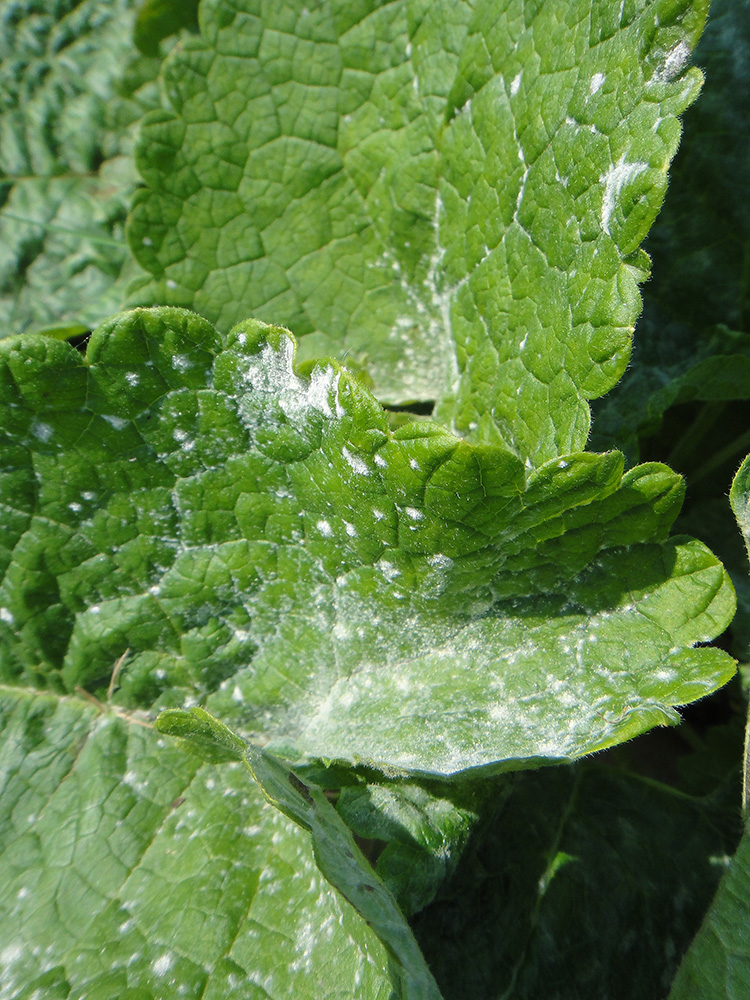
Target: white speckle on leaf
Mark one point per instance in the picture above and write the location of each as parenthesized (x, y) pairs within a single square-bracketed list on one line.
[(171, 283), (350, 529), (562, 464), (674, 62), (324, 528), (596, 82), (414, 513), (615, 179), (356, 463), (6, 616), (88, 495), (162, 965), (75, 507), (380, 461), (377, 514), (43, 432), (181, 362), (118, 423), (132, 378), (523, 342), (516, 84), (147, 241), (414, 463), (439, 561), (388, 570)]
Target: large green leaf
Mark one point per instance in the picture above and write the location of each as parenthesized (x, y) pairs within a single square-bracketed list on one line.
[(132, 870), (589, 884), (256, 536), (452, 193), (72, 89)]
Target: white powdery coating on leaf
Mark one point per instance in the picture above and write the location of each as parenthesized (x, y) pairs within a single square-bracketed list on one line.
[(596, 82), (674, 62), (324, 528), (356, 463), (272, 372), (118, 423), (615, 179), (43, 432), (162, 965), (516, 84)]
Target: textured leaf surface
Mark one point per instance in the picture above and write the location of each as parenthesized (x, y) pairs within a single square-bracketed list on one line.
[(454, 194), (717, 966), (72, 88), (336, 854), (589, 884), (131, 869), (257, 535)]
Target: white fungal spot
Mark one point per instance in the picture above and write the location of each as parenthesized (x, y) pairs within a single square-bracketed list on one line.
[(42, 431), (356, 463), (414, 514), (132, 378), (117, 422), (674, 62), (147, 241), (377, 514), (515, 85), (596, 82), (162, 965), (439, 561), (380, 462), (615, 179), (171, 283), (6, 616), (324, 528)]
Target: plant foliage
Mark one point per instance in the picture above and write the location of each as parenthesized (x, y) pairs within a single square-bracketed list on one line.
[(285, 640)]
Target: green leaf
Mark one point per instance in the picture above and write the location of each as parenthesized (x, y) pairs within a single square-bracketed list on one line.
[(714, 370), (717, 965), (255, 536), (336, 854), (589, 883), (418, 830), (132, 870), (739, 498), (451, 194), (73, 90)]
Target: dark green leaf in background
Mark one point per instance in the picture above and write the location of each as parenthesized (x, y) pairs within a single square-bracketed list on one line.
[(589, 885), (72, 90)]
